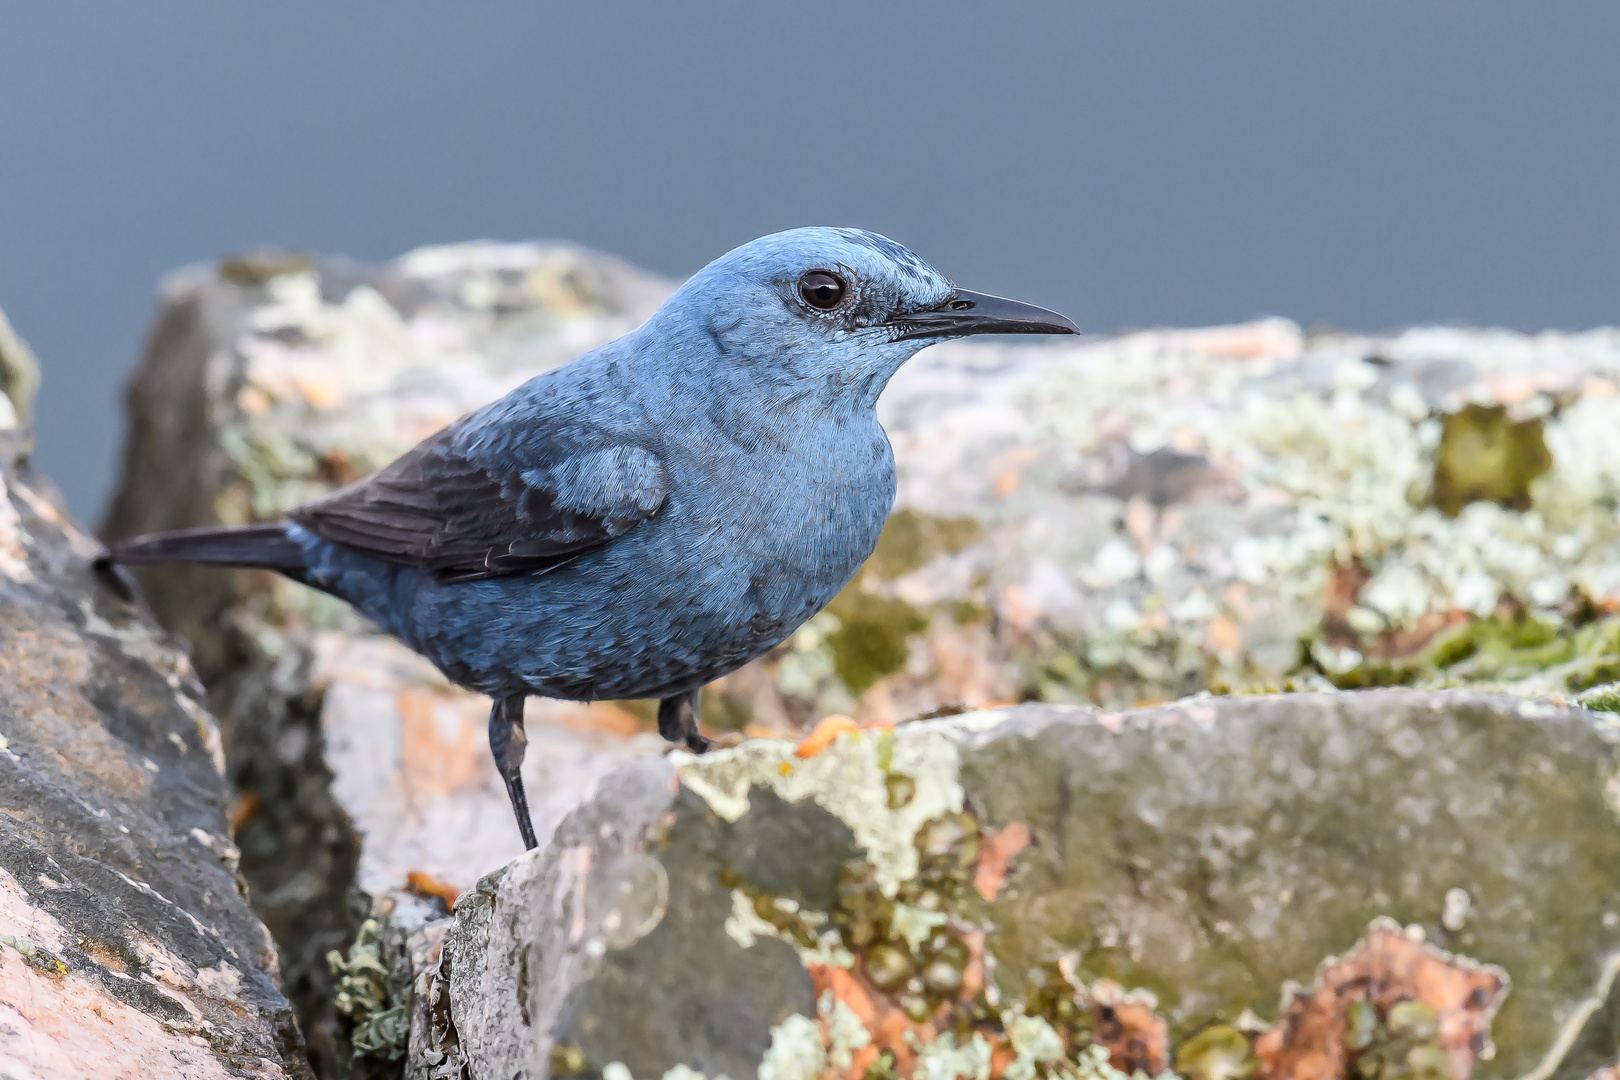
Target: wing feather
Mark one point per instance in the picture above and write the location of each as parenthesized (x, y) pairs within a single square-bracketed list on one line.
[(466, 509)]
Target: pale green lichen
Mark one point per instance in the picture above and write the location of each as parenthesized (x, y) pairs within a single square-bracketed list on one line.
[(1091, 1063), (796, 1051), (35, 956), (745, 926), (1035, 1042), (944, 1059), (849, 782), (914, 924), (1320, 456), (380, 1025), (686, 1072), (845, 1033)]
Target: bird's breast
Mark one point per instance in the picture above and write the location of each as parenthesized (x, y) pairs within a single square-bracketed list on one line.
[(793, 522)]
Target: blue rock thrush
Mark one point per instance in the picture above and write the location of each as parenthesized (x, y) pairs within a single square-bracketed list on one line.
[(653, 514)]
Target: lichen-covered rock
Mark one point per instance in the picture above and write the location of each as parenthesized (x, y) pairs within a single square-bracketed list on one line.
[(126, 947), (1382, 884), (1114, 521), (1110, 521)]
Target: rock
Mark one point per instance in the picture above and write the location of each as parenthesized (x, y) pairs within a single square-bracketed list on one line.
[(1386, 883), (1118, 522), (126, 946)]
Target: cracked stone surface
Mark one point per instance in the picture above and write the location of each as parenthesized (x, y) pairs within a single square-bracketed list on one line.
[(1445, 866), (126, 946)]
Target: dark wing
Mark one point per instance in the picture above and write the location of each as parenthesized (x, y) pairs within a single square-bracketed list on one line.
[(465, 509)]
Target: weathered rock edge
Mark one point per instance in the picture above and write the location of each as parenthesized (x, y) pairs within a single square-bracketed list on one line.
[(126, 946), (1192, 861)]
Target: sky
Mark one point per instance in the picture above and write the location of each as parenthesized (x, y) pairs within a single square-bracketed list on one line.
[(1367, 164)]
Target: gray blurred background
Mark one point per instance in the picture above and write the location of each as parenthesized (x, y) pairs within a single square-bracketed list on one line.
[(1364, 165)]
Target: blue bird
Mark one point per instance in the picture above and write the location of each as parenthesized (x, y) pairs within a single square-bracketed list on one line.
[(653, 514)]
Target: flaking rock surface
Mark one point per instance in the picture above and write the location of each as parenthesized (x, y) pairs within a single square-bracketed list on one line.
[(126, 947), (1378, 884)]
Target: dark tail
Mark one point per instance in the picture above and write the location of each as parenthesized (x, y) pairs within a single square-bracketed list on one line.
[(264, 546)]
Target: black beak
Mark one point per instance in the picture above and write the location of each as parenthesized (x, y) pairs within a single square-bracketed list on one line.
[(964, 313)]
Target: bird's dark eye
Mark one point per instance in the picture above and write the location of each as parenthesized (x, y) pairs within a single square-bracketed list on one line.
[(821, 289)]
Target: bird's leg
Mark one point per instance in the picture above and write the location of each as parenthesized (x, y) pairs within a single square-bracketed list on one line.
[(508, 741), (678, 721)]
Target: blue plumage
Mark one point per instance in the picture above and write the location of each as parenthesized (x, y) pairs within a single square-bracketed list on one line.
[(655, 513)]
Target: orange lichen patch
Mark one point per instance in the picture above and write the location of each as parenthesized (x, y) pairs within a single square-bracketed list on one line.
[(823, 734), (243, 807), (1137, 1038), (995, 853), (1002, 1055), (886, 1024), (1007, 468), (1140, 520), (1598, 387), (1223, 636), (442, 741), (337, 468), (424, 884), (253, 401), (104, 956), (1126, 1025), (1384, 970)]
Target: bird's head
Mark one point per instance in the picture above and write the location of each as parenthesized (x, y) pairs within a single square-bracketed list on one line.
[(842, 307)]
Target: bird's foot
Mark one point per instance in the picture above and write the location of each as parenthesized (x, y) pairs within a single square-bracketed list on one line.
[(678, 722), (508, 741)]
